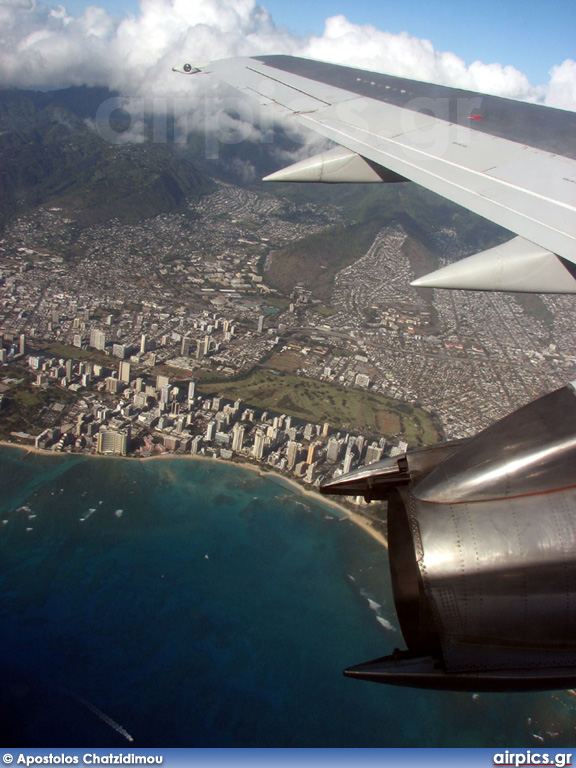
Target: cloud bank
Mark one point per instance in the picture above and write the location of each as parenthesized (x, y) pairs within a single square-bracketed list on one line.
[(43, 46)]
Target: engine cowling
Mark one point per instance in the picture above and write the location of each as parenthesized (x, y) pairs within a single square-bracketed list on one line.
[(482, 549)]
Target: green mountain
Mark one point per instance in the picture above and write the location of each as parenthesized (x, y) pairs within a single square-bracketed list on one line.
[(51, 154)]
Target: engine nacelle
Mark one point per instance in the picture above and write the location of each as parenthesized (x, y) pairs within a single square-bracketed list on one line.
[(482, 548)]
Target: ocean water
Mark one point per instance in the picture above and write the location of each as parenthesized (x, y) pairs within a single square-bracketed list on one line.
[(191, 603)]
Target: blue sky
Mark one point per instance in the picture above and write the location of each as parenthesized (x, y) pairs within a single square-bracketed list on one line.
[(532, 35)]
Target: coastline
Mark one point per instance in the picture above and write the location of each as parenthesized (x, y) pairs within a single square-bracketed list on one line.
[(354, 517)]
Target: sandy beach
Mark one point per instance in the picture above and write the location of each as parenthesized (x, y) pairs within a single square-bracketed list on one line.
[(356, 518)]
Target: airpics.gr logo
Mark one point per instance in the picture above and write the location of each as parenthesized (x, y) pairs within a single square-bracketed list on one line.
[(559, 760)]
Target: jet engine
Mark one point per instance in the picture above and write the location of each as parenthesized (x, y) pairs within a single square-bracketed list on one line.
[(482, 550)]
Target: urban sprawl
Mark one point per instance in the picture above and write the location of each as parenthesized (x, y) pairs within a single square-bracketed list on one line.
[(125, 322)]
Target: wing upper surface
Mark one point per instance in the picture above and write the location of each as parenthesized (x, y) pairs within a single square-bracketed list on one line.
[(511, 162)]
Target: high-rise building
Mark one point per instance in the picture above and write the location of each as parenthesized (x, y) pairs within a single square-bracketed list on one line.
[(300, 469), (349, 459), (180, 424), (143, 344), (211, 430), (292, 450), (185, 347), (312, 450), (164, 422), (162, 381), (119, 350), (333, 450), (98, 339), (373, 453), (171, 442), (237, 437), (309, 476), (261, 323), (22, 348), (124, 372), (165, 394), (113, 441), (140, 400), (259, 445), (192, 391), (398, 450)]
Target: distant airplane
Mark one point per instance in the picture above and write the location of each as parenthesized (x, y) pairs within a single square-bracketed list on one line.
[(482, 532)]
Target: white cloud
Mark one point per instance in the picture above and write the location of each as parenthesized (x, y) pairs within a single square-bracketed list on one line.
[(26, 5), (402, 55), (561, 91), (43, 46)]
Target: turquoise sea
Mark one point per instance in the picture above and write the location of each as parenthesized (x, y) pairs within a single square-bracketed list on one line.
[(194, 603)]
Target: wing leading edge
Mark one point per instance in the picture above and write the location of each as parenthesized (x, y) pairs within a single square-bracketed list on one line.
[(512, 162)]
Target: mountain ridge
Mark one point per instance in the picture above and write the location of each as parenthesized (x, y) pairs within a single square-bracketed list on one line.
[(50, 154)]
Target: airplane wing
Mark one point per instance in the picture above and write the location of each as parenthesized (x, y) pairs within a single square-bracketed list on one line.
[(509, 161)]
